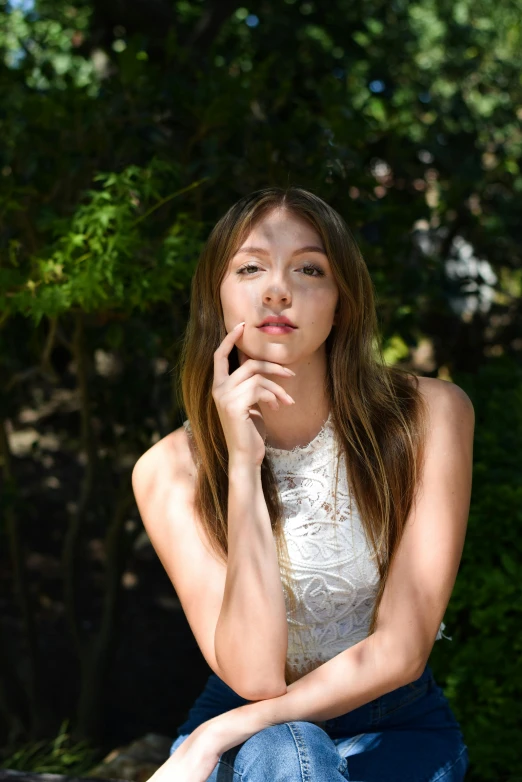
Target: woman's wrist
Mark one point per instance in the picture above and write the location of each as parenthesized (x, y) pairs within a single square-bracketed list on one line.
[(238, 467), (237, 725)]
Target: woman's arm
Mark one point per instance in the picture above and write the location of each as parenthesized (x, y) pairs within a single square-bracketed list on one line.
[(346, 681), (251, 637), (419, 585), (352, 678), (163, 483)]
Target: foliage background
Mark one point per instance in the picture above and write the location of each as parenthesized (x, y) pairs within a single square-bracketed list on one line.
[(127, 130)]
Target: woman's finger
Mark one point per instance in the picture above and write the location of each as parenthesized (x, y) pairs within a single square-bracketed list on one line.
[(257, 388), (221, 366)]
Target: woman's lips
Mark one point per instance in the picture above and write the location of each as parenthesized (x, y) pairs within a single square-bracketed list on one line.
[(276, 329)]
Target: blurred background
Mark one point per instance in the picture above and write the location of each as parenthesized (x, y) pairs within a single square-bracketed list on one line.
[(127, 129)]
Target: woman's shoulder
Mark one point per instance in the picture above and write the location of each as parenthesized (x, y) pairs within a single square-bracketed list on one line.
[(170, 461), (446, 403), (437, 391)]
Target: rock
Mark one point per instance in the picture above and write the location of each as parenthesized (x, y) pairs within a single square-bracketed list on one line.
[(136, 762), (12, 775)]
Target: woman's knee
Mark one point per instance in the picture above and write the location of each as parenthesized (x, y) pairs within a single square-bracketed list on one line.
[(289, 750)]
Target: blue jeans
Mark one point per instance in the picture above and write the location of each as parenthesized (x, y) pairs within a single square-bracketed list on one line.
[(407, 735)]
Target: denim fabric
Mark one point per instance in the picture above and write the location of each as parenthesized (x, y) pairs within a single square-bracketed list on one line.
[(407, 735)]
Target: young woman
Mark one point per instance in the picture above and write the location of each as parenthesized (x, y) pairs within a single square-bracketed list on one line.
[(311, 514)]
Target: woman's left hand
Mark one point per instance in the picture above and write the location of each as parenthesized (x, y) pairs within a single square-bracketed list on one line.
[(197, 757), (193, 761)]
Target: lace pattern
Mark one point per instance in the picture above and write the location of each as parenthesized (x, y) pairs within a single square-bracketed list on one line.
[(335, 574)]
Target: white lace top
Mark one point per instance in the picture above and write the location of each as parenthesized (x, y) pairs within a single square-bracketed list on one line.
[(335, 575)]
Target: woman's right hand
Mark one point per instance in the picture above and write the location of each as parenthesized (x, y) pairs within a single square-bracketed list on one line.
[(237, 395)]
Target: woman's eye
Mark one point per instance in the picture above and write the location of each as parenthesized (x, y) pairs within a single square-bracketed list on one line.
[(312, 266), (248, 266), (319, 271)]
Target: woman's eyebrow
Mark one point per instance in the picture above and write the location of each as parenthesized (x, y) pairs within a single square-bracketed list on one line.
[(312, 248)]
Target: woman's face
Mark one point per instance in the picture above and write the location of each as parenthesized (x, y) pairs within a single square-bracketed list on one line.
[(268, 277)]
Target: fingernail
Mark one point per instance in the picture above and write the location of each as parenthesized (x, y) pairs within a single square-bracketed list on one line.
[(289, 371), (240, 324)]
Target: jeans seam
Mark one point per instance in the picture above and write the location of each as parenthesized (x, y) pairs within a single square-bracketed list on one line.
[(304, 763), (375, 712), (231, 768), (447, 769), (414, 696)]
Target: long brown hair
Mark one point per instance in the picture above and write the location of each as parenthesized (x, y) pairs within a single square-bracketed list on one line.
[(378, 412)]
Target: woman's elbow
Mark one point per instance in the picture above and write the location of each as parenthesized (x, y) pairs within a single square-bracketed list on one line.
[(262, 693)]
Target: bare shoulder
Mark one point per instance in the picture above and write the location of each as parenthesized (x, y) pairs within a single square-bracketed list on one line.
[(166, 464), (444, 392), (448, 405), (163, 481)]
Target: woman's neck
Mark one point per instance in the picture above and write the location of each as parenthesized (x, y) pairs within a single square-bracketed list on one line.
[(287, 429)]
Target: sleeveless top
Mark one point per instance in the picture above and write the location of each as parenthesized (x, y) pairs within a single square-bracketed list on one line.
[(335, 576)]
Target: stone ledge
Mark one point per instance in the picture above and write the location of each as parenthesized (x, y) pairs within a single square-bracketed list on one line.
[(135, 762), (12, 775)]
